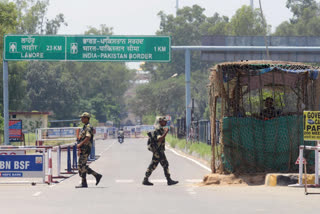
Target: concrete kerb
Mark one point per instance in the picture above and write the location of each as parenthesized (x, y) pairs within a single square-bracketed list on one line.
[(277, 179)]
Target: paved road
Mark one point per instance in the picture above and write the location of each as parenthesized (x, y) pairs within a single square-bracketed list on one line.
[(120, 190)]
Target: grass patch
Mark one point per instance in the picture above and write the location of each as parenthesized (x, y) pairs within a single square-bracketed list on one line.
[(202, 149), (172, 141)]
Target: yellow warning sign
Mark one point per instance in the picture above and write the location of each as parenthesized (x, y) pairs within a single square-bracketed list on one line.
[(311, 125)]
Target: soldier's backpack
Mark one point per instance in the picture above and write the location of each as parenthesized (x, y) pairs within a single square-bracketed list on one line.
[(152, 143)]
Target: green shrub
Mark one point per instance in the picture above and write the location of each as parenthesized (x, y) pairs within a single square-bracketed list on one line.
[(202, 149)]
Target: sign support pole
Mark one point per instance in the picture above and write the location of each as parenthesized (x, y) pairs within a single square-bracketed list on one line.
[(5, 102), (188, 93)]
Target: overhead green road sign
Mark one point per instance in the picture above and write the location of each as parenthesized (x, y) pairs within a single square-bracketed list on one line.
[(87, 48)]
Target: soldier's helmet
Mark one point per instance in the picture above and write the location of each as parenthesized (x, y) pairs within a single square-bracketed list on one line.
[(162, 119), (158, 120), (85, 114)]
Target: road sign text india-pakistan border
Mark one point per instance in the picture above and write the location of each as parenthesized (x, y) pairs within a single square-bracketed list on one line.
[(87, 48)]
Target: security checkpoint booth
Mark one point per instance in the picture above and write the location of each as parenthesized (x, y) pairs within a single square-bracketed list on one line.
[(249, 141)]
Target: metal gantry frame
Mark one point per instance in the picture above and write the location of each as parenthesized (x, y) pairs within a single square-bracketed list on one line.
[(230, 49), (187, 50)]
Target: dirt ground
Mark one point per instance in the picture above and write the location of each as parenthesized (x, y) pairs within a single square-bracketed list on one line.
[(232, 179)]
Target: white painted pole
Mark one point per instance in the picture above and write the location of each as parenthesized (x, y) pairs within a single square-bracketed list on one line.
[(300, 166), (59, 160), (50, 166), (47, 150), (44, 163)]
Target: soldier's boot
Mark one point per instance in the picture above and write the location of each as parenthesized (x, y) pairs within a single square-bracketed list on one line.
[(98, 178), (171, 182), (147, 182), (83, 184)]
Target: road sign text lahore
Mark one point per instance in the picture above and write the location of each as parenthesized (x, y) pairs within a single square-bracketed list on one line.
[(87, 48)]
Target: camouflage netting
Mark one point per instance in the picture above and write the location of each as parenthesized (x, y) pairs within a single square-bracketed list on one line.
[(254, 135)]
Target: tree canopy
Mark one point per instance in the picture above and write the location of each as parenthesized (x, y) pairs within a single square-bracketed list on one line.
[(68, 88), (187, 28), (305, 20), (63, 88)]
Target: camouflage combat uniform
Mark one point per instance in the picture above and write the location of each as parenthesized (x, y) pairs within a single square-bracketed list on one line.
[(85, 151), (159, 155)]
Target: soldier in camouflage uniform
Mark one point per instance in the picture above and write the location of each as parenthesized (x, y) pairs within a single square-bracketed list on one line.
[(158, 153), (84, 146)]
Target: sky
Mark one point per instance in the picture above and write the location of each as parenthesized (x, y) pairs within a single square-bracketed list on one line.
[(139, 17)]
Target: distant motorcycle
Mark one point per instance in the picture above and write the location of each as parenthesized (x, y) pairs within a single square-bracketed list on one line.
[(120, 139)]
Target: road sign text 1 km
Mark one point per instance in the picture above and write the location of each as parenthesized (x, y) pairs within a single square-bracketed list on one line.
[(87, 48)]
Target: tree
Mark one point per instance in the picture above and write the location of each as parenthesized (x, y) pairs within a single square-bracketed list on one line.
[(187, 28), (184, 29), (247, 22), (8, 21), (160, 98), (216, 26), (52, 26), (32, 18), (305, 20), (297, 7), (52, 89), (104, 84), (104, 30), (18, 86)]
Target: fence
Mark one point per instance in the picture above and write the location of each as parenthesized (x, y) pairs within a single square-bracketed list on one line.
[(200, 131)]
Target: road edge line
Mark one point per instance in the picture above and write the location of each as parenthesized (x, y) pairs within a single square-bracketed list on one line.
[(194, 161)]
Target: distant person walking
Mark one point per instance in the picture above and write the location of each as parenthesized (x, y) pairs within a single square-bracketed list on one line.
[(158, 148), (84, 146)]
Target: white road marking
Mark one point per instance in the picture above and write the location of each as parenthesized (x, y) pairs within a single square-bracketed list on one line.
[(194, 180), (124, 181), (106, 149), (90, 181), (159, 181), (191, 191), (194, 161), (154, 180), (36, 194), (53, 185)]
